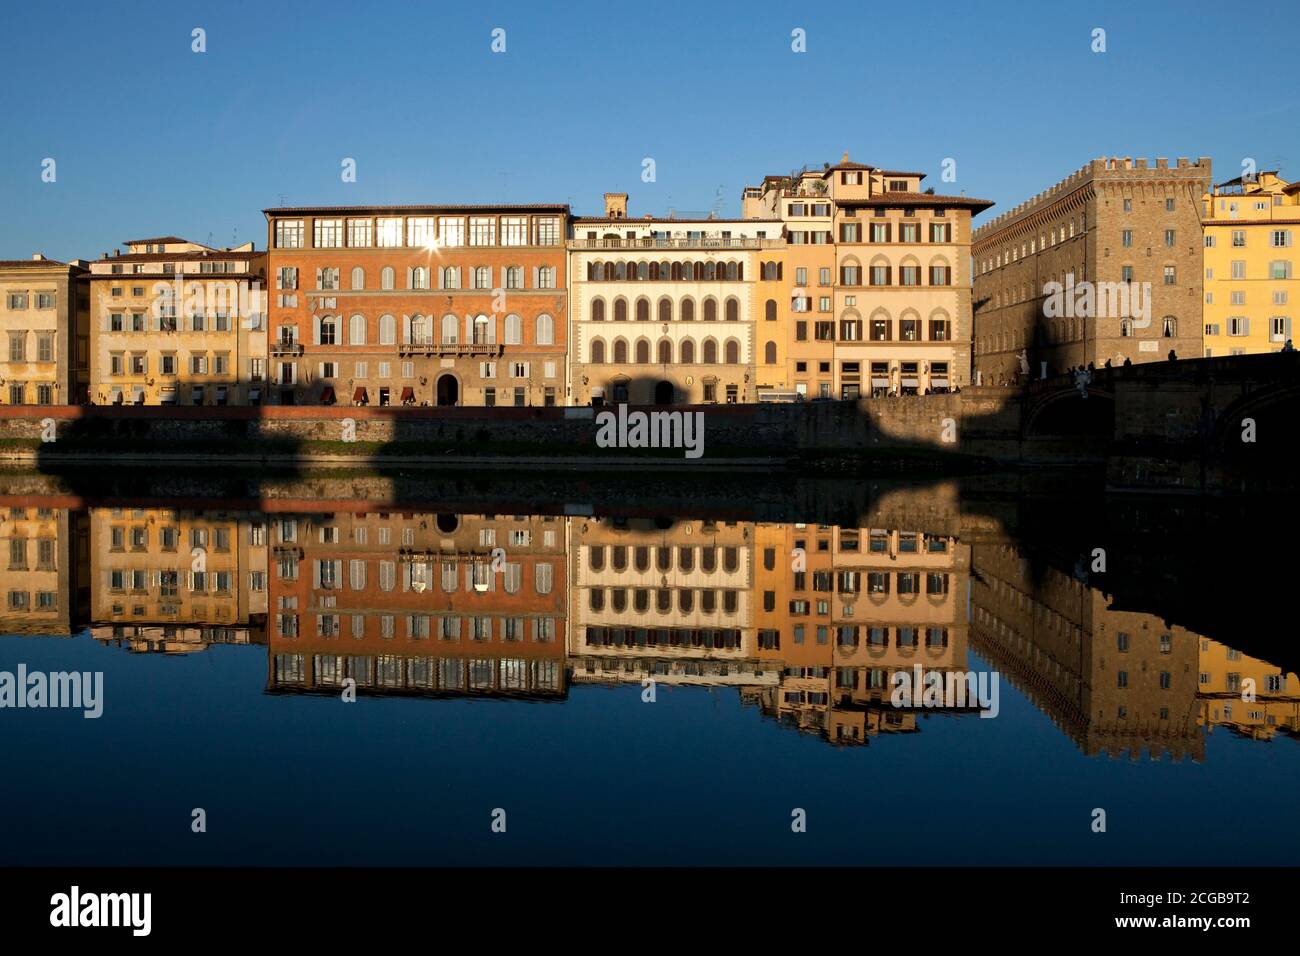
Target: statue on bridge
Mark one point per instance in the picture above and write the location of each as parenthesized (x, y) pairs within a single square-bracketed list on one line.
[(1082, 379)]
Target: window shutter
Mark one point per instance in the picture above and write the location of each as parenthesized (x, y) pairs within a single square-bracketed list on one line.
[(279, 278), (318, 277), (536, 279), (406, 329), (469, 329), (315, 330), (315, 574), (440, 277), (1288, 327), (410, 277), (1245, 329), (505, 272)]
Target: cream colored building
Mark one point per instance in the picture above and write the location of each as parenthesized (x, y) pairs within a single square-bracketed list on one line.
[(174, 322), (663, 310), (40, 304)]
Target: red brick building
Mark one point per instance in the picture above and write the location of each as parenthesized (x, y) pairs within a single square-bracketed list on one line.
[(418, 305)]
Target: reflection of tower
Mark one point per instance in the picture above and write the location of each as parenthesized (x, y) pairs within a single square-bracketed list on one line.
[(1114, 681)]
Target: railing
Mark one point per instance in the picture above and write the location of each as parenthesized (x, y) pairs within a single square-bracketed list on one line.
[(701, 242), (286, 348), (422, 346)]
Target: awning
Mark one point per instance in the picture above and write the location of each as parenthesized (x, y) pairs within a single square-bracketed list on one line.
[(911, 382), (940, 382), (327, 394), (408, 394), (167, 396), (359, 395), (879, 381)]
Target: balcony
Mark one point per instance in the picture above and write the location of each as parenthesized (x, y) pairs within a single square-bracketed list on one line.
[(429, 347), (286, 348)]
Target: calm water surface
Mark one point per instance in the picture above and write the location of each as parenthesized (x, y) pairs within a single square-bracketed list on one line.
[(505, 661)]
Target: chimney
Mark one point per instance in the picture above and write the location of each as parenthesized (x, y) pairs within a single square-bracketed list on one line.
[(615, 205), (37, 257), (845, 157)]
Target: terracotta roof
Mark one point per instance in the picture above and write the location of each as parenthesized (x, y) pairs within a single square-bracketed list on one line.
[(900, 172), (167, 239), (32, 263), (839, 166), (918, 199), (1238, 180), (219, 255), (418, 207)]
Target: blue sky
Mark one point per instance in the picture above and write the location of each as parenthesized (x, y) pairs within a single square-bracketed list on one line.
[(151, 138)]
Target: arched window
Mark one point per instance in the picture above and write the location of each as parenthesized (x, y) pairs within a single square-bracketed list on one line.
[(357, 330), (598, 310), (387, 330), (328, 331), (769, 310), (1126, 327), (482, 277), (687, 352), (665, 309), (643, 309), (688, 310), (386, 278), (665, 351), (642, 352), (545, 330), (620, 310), (485, 330), (419, 278), (710, 352), (710, 272), (419, 331), (620, 351), (769, 353), (1169, 327), (733, 310), (620, 271), (710, 310), (358, 278), (688, 272), (732, 272), (514, 330), (450, 277), (609, 272), (597, 351), (449, 326), (643, 270), (514, 277), (731, 353)]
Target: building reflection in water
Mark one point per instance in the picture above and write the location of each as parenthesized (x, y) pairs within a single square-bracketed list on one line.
[(808, 622)]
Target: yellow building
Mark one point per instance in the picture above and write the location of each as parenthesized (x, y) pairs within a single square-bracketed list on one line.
[(1245, 694), (1250, 280), (178, 323), (40, 305)]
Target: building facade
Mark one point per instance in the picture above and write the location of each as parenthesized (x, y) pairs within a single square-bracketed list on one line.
[(1250, 278), (890, 311), (173, 322), (42, 305), (418, 305), (1105, 266), (663, 310)]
